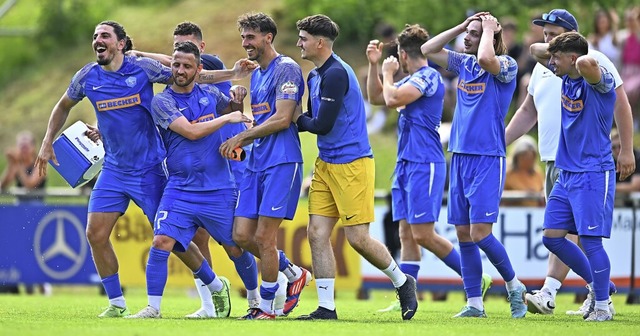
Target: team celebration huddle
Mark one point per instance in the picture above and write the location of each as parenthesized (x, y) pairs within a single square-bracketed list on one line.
[(200, 166)]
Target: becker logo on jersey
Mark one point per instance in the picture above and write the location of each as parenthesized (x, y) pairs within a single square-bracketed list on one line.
[(471, 88), (574, 106), (118, 103)]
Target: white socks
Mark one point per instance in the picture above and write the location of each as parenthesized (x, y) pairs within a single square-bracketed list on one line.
[(325, 288)]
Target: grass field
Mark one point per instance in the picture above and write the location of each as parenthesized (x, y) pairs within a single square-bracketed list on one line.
[(72, 311)]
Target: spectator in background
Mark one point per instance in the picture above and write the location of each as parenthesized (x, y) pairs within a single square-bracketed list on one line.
[(524, 173), (526, 63), (20, 162), (630, 183), (631, 61), (604, 35)]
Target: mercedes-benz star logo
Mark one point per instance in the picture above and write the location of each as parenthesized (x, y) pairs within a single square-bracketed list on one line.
[(60, 245)]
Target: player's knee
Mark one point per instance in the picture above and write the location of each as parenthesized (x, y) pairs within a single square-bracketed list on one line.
[(163, 242), (241, 238), (96, 236), (553, 244), (357, 241)]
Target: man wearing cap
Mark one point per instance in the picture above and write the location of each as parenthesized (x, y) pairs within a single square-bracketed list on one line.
[(544, 96)]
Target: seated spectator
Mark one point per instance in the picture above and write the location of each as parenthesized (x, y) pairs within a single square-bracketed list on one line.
[(19, 169), (524, 173)]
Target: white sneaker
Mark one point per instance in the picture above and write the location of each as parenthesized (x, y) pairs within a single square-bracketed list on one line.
[(599, 315), (146, 312), (540, 302), (586, 305), (200, 314)]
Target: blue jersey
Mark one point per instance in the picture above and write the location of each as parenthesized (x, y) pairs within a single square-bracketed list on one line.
[(587, 118), (122, 102), (334, 86), (213, 62), (193, 165), (281, 80), (418, 122), (482, 104)]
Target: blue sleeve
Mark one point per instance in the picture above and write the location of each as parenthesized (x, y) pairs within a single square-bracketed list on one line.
[(289, 82), (426, 82), (76, 87), (606, 82), (164, 110), (222, 101), (156, 72), (333, 87), (454, 61), (508, 69)]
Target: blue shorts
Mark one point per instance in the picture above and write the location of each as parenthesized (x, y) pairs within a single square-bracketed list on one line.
[(417, 191), (273, 192), (114, 190), (475, 188), (582, 203), (181, 213)]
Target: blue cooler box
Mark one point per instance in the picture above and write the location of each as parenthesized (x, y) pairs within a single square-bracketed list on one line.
[(80, 158)]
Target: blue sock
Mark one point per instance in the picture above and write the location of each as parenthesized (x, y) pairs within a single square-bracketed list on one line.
[(497, 254), (156, 273), (411, 268), (471, 269), (571, 255), (268, 293), (205, 273), (600, 265), (612, 288), (453, 261), (112, 286), (283, 261), (247, 269)]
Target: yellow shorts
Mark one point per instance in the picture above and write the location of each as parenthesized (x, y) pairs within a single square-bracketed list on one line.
[(343, 190)]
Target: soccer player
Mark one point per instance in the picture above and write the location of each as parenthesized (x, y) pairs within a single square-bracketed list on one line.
[(542, 105), (121, 88), (189, 115), (244, 261), (270, 188), (485, 87), (420, 171), (342, 186), (582, 197)]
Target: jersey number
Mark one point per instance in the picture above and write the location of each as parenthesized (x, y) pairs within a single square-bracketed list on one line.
[(162, 215)]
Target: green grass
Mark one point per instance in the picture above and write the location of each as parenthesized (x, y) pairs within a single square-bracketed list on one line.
[(72, 311)]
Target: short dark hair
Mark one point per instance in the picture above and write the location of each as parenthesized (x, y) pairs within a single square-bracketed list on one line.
[(188, 47), (258, 21), (121, 34), (411, 39), (569, 42), (188, 28), (319, 25)]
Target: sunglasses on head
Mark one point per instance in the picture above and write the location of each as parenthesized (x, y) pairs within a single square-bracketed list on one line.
[(554, 18)]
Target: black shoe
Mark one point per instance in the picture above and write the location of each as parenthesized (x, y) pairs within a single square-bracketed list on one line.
[(408, 298), (320, 314)]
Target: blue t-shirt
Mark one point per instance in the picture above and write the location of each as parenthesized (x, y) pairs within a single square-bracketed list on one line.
[(281, 80), (336, 113), (213, 62), (193, 165), (418, 122), (482, 104), (122, 102), (587, 118)]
